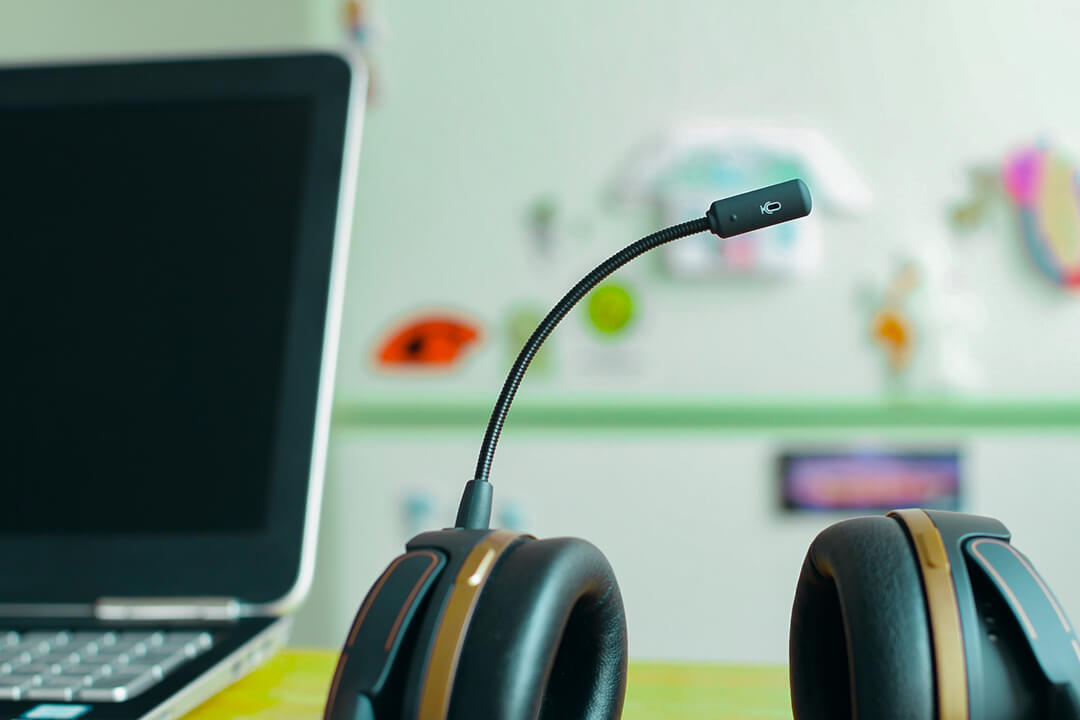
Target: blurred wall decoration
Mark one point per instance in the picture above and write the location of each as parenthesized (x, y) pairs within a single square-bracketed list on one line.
[(1044, 187), (690, 166), (1038, 185), (436, 341), (520, 323), (541, 225), (892, 329), (363, 31), (869, 478), (610, 309), (923, 319)]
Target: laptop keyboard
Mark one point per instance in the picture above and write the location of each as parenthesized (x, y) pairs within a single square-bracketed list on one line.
[(91, 666)]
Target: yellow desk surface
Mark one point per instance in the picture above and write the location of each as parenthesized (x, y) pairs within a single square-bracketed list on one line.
[(293, 686)]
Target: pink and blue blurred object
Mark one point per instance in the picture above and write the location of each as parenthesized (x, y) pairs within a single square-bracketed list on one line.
[(1045, 187)]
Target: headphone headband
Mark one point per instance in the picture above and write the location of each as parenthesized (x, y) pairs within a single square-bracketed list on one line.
[(946, 634), (450, 635)]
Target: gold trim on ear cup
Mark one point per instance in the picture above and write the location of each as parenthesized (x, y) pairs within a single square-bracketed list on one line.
[(946, 636), (450, 635)]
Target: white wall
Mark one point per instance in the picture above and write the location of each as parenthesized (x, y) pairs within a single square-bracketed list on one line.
[(77, 28)]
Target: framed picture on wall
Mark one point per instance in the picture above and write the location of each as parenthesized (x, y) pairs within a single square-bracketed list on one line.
[(874, 478)]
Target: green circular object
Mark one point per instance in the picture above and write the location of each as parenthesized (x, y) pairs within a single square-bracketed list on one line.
[(611, 308)]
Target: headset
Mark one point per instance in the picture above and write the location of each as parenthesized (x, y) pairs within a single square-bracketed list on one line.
[(916, 615)]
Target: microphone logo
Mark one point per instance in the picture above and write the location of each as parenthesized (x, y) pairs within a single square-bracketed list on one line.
[(770, 207)]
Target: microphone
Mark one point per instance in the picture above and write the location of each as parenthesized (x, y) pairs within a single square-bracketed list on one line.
[(731, 216), (759, 209)]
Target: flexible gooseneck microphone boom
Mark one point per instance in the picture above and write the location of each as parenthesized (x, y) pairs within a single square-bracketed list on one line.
[(728, 217)]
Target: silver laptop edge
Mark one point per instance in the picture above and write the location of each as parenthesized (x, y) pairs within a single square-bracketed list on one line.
[(324, 409), (249, 656)]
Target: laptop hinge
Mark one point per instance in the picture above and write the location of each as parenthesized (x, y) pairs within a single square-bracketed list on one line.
[(167, 609)]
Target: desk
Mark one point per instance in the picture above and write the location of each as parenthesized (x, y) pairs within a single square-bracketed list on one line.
[(293, 686)]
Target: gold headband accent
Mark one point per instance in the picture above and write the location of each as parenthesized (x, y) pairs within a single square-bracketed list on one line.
[(946, 636), (450, 635)]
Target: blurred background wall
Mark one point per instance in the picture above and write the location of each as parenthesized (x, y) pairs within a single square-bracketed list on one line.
[(512, 146)]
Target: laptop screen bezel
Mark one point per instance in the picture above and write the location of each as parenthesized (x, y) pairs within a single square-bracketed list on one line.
[(257, 567)]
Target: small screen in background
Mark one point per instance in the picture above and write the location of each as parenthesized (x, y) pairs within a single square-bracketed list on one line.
[(146, 272), (870, 479)]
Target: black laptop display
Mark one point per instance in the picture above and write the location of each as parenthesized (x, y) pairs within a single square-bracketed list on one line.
[(169, 285)]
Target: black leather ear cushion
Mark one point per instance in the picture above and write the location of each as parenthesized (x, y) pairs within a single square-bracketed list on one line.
[(547, 638), (860, 639)]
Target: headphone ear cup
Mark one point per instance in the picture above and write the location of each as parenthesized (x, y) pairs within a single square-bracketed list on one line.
[(860, 643), (547, 638)]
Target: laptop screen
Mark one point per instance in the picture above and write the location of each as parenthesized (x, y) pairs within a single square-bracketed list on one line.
[(172, 238), (145, 274)]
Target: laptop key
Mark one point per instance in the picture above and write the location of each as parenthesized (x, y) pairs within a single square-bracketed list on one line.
[(20, 678), (36, 668), (188, 649), (139, 670), (88, 670), (43, 641), (58, 658), (118, 687), (164, 662), (118, 659), (147, 638), (86, 643), (13, 686), (55, 688), (8, 637), (202, 640), (84, 651), (191, 643), (9, 663), (34, 643), (136, 647)]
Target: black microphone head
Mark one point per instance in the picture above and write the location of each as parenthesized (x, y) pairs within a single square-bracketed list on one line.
[(759, 208)]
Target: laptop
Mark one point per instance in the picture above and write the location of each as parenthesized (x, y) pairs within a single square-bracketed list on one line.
[(172, 256)]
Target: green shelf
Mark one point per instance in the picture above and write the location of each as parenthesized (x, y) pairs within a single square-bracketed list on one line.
[(725, 415)]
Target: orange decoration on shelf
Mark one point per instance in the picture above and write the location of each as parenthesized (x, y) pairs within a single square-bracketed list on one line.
[(432, 342), (891, 331), (892, 327)]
